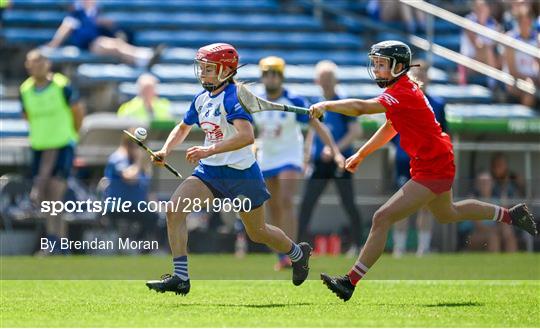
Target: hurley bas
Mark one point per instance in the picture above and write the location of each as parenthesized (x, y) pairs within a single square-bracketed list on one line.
[(65, 244)]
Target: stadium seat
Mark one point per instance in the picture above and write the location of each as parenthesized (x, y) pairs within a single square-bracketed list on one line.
[(451, 93), (17, 36), (294, 40), (149, 5), (441, 27), (34, 18), (450, 41), (461, 94), (186, 20), (13, 128), (178, 55), (184, 73), (10, 109), (297, 57), (201, 21)]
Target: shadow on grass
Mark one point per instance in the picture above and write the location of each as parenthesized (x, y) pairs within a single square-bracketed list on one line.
[(464, 304), (272, 305)]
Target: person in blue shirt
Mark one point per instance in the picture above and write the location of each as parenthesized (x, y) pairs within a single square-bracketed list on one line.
[(402, 173), (344, 130), (128, 176), (84, 29)]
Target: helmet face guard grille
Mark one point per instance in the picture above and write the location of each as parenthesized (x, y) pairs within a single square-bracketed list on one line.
[(383, 83), (205, 69)]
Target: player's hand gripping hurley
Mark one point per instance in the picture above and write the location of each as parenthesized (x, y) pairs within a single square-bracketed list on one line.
[(141, 144)]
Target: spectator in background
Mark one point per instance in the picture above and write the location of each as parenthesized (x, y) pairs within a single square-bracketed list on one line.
[(344, 130), (423, 219), (488, 234), (128, 174), (84, 29), (281, 148), (54, 115), (147, 105), (389, 11), (476, 46), (501, 185), (521, 65), (507, 185)]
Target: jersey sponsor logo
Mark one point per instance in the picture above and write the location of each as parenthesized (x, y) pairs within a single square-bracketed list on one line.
[(213, 131), (217, 112), (389, 99)]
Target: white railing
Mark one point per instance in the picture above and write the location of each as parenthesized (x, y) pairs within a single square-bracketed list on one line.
[(431, 48), (470, 63)]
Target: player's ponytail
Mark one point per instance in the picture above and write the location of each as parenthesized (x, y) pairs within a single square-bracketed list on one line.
[(419, 83)]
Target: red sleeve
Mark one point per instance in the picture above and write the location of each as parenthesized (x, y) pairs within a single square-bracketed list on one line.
[(389, 99)]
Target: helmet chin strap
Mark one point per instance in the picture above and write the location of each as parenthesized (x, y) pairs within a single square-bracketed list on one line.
[(383, 83), (211, 87)]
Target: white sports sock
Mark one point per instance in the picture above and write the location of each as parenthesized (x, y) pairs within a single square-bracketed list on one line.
[(400, 241), (424, 242)]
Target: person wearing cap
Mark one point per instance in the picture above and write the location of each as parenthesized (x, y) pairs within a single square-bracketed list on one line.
[(281, 147)]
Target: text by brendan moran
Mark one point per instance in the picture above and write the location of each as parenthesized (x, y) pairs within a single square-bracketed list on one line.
[(96, 244)]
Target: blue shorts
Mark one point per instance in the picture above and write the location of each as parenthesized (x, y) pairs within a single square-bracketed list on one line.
[(63, 164), (276, 171), (227, 182)]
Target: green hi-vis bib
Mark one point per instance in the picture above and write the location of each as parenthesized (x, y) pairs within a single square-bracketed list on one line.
[(135, 109), (50, 117)]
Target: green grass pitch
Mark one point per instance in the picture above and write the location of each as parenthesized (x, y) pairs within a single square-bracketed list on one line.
[(459, 290)]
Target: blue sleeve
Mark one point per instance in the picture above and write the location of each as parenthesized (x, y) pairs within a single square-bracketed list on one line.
[(300, 102), (191, 117), (438, 105), (234, 109), (114, 167), (71, 95), (348, 119)]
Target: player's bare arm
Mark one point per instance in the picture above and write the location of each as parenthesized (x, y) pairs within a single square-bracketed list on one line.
[(328, 140), (351, 107), (177, 136), (385, 133), (244, 137), (354, 132), (78, 114)]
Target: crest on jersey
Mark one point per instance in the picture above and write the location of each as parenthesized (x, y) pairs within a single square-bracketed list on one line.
[(213, 131)]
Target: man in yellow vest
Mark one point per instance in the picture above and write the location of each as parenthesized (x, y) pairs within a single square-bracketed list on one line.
[(147, 105), (54, 116)]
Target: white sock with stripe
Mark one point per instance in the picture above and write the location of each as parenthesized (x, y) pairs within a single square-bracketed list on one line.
[(295, 254), (181, 267)]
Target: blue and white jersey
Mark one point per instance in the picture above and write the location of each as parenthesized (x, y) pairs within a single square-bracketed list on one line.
[(466, 46), (525, 64), (280, 137), (215, 115)]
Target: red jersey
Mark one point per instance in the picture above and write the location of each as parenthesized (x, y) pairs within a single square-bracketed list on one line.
[(421, 136)]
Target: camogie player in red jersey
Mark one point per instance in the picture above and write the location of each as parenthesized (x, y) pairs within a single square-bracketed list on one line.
[(432, 160)]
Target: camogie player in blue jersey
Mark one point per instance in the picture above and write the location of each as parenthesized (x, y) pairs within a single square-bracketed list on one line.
[(226, 167)]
